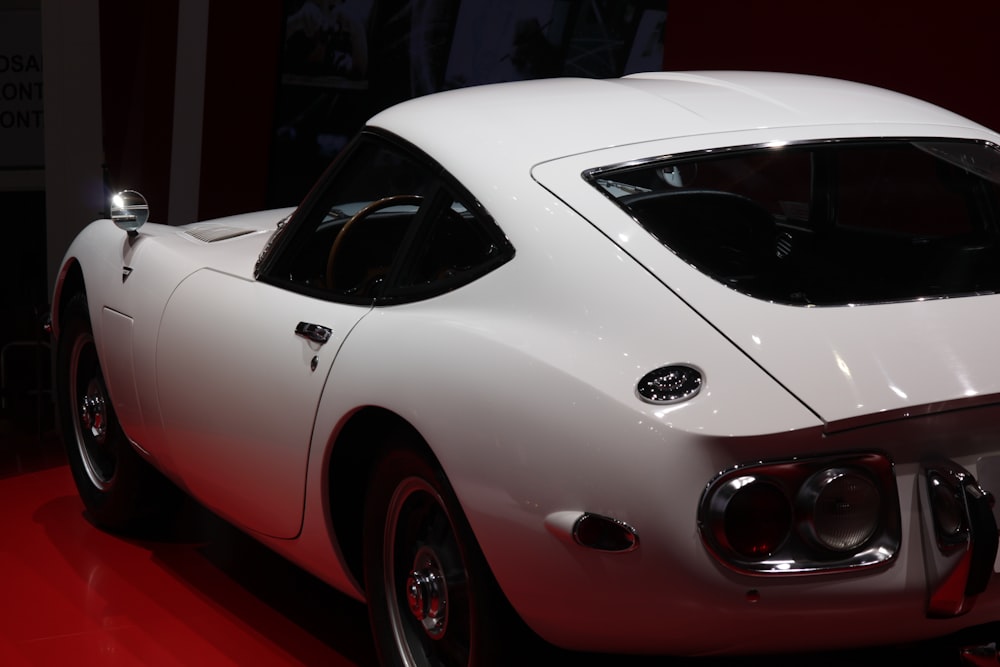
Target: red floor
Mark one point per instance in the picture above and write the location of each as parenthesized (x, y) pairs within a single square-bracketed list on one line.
[(72, 594)]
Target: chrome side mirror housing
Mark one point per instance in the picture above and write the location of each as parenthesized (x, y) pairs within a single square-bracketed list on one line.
[(129, 210)]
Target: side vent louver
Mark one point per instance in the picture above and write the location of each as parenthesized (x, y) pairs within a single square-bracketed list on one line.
[(213, 234)]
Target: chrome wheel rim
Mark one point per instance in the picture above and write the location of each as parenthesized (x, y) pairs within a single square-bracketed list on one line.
[(91, 419), (426, 584), (427, 593), (94, 412)]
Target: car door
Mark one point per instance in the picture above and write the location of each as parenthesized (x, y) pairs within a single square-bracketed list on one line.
[(240, 369), (241, 364)]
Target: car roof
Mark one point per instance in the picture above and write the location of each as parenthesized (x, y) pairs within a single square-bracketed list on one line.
[(528, 122)]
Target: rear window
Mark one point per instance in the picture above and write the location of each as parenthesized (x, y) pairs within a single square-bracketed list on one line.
[(830, 223)]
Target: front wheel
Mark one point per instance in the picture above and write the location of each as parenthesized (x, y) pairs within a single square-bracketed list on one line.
[(432, 600), (117, 486)]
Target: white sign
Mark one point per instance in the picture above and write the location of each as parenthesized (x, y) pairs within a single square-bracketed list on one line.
[(21, 108)]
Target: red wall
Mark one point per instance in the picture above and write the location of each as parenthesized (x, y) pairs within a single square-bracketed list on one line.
[(138, 54), (944, 52), (240, 81)]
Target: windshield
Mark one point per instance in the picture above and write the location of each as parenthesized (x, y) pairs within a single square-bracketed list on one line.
[(829, 223)]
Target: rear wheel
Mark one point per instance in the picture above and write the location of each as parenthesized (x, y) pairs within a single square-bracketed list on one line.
[(432, 600), (117, 486)]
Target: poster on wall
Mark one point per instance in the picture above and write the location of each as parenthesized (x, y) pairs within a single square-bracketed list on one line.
[(21, 127), (345, 60)]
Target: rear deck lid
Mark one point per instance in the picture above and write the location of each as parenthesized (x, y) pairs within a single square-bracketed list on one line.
[(861, 272)]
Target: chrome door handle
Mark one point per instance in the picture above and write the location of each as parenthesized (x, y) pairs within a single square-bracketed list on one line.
[(317, 333)]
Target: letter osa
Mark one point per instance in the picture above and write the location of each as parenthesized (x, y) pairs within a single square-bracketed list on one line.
[(20, 62)]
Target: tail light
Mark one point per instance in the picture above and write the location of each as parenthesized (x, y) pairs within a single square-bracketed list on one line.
[(756, 517), (960, 539), (804, 515), (841, 509)]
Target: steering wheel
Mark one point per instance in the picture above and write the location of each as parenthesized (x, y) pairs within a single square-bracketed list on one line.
[(336, 250)]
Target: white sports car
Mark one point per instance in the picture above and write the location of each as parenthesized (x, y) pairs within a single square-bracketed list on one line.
[(679, 363)]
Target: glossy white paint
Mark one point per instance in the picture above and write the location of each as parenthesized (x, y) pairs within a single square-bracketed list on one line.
[(238, 392), (842, 362), (523, 382), (103, 252), (494, 134)]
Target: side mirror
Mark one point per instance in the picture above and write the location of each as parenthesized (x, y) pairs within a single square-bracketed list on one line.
[(129, 210)]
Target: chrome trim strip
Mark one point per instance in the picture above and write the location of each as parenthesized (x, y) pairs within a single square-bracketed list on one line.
[(596, 172), (912, 412)]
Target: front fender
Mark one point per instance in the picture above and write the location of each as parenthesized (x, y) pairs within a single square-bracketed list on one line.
[(127, 280)]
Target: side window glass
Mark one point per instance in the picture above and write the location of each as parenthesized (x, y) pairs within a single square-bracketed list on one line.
[(897, 190), (356, 226), (455, 245)]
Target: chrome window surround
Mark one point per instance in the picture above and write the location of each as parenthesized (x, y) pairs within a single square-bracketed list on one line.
[(799, 554), (591, 175), (269, 247), (595, 172)]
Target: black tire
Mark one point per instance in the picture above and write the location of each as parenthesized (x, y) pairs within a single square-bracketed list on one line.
[(119, 489), (416, 538)]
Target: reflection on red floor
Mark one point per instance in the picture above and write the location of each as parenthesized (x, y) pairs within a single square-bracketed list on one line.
[(73, 594)]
